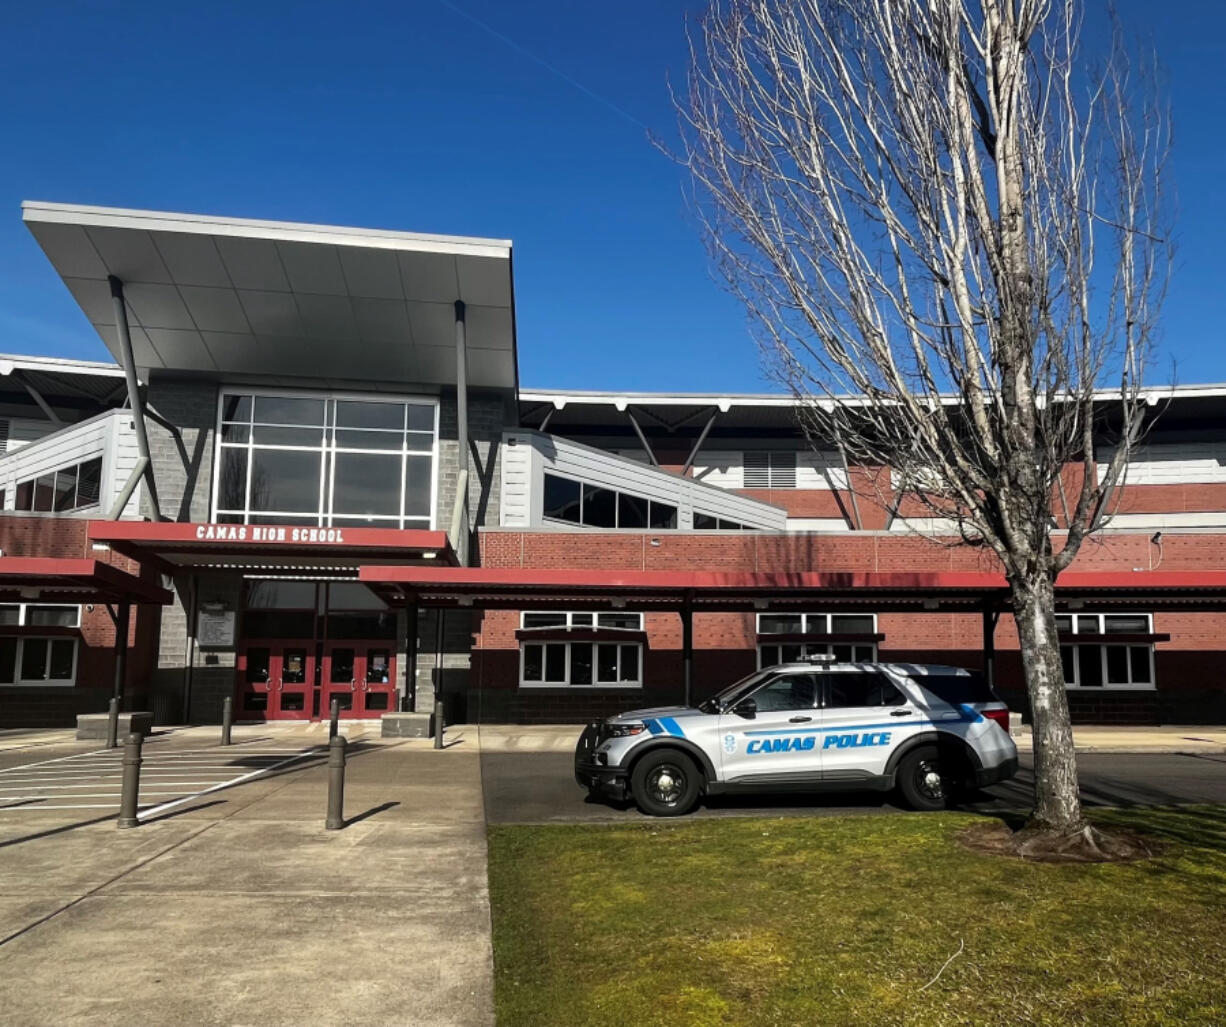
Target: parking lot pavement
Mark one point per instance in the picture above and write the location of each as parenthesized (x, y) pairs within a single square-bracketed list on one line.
[(540, 788)]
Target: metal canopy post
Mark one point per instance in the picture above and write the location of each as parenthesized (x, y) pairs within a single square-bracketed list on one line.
[(134, 397), (991, 615), (121, 648), (687, 645), (408, 703), (461, 396)]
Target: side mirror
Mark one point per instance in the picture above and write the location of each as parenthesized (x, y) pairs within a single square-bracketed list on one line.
[(746, 708)]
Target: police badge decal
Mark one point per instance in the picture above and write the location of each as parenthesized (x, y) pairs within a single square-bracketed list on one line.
[(729, 743)]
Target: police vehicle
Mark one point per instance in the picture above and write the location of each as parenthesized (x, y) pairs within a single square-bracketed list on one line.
[(927, 731)]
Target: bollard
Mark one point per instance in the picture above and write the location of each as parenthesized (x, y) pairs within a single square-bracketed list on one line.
[(336, 783), (438, 720), (334, 727), (131, 780), (112, 724), (227, 718)]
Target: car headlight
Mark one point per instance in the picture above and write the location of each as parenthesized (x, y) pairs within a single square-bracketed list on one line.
[(624, 730)]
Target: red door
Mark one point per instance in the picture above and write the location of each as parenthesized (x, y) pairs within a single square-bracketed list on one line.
[(361, 676), (275, 680)]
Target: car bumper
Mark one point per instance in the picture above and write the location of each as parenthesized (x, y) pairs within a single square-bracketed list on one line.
[(610, 780), (991, 775)]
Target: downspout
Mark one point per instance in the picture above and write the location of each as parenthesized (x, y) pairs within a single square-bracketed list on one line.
[(134, 398)]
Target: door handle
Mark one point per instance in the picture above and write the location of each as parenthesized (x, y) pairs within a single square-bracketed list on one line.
[(799, 720), (900, 713)]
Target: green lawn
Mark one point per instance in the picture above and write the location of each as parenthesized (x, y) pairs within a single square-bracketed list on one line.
[(842, 920)]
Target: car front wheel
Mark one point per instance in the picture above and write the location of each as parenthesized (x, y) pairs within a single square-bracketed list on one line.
[(665, 784), (926, 779)]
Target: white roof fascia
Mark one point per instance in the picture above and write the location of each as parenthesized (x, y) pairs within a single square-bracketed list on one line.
[(10, 362), (246, 228)]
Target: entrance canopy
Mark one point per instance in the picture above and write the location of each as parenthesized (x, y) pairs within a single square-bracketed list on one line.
[(237, 297), (524, 588), (46, 580), (270, 549)]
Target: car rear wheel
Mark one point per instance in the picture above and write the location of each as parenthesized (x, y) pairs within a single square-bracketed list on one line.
[(665, 783), (927, 779)]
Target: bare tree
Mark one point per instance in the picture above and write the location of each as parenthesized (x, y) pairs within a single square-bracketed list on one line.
[(946, 221)]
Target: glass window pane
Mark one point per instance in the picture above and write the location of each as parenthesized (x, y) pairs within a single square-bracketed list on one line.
[(633, 621), (581, 663), (285, 481), (768, 655), (34, 659), (1067, 661), (236, 408), (1089, 666), (1126, 624), (236, 433), (606, 663), (345, 595), (851, 624), (1138, 657), (371, 624), (534, 662), (53, 616), (599, 507), (62, 652), (842, 653), (65, 489), (544, 620), (781, 624), (581, 620), (340, 669), (790, 692), (294, 666), (44, 492), (729, 525), (378, 667), (1064, 622), (281, 595), (89, 482), (421, 417), (312, 520), (278, 623), (1117, 664), (1087, 624), (257, 665), (24, 500), (288, 410), (791, 653), (704, 522), (555, 662), (354, 439), (862, 688), (663, 515), (8, 659), (864, 653), (417, 486), (561, 499), (630, 664), (365, 414), (264, 435), (232, 479), (631, 511), (10, 614), (367, 483)]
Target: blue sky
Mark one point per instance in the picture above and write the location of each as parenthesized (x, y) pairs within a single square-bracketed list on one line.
[(408, 116)]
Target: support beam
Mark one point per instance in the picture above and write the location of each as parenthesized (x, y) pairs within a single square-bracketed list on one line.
[(851, 491), (991, 616), (687, 647), (37, 396), (122, 620), (408, 703), (689, 461), (461, 393), (134, 397), (643, 439)]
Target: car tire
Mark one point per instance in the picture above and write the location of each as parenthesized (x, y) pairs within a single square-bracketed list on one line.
[(665, 783), (927, 779)]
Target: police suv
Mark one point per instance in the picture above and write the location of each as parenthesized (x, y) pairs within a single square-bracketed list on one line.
[(928, 731)]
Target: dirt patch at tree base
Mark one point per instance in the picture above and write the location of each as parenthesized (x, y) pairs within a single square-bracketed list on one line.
[(1035, 845)]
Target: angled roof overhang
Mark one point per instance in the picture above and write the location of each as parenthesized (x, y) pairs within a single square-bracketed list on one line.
[(47, 580), (238, 299), (174, 548)]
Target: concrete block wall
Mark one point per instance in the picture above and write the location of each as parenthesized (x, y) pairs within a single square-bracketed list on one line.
[(489, 414), (184, 476)]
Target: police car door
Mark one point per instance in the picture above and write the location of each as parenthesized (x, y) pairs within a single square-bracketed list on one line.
[(863, 719), (777, 740)]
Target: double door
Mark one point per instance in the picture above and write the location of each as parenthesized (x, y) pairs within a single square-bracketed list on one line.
[(279, 680)]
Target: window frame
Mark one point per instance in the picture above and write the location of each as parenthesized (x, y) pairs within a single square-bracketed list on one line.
[(617, 495), (326, 517), (1074, 648), (23, 614), (814, 648), (568, 625), (32, 489), (19, 656)]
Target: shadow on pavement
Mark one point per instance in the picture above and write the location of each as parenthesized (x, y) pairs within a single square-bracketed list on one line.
[(372, 812)]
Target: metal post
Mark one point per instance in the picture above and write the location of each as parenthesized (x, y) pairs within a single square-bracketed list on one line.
[(336, 783), (687, 647), (112, 724), (440, 613), (461, 399), (134, 397), (409, 702), (642, 439), (227, 718), (334, 725), (689, 461), (990, 617), (121, 648), (131, 779)]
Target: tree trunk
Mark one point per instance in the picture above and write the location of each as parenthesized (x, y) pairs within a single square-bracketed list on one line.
[(1057, 802)]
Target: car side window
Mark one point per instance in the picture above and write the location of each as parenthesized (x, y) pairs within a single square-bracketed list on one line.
[(862, 688), (788, 692)]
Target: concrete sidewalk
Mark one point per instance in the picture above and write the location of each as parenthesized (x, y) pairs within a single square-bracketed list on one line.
[(241, 909)]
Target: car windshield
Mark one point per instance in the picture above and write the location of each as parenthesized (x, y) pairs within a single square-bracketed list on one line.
[(733, 693)]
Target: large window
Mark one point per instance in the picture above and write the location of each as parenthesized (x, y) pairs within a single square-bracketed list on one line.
[(845, 649), (597, 507), (325, 460), (28, 660), (68, 488), (558, 662), (1098, 662)]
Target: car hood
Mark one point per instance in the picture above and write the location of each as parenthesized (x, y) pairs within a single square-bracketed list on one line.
[(655, 712)]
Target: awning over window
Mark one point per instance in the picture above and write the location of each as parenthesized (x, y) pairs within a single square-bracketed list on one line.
[(47, 580), (272, 549)]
